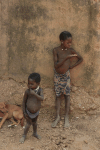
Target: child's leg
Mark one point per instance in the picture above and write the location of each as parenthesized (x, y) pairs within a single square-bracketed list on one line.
[(67, 106), (34, 123), (28, 124), (58, 99)]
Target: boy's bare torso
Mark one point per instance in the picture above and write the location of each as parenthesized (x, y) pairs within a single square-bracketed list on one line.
[(60, 56), (33, 104)]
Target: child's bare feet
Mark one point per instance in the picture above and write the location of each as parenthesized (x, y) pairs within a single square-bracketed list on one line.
[(55, 122), (36, 135), (22, 139), (66, 122)]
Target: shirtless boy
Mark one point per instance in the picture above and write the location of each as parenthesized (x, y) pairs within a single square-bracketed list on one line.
[(31, 104), (62, 55)]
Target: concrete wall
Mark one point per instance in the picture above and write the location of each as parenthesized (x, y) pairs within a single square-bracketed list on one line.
[(30, 29)]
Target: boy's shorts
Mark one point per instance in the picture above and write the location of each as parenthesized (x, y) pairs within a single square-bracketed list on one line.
[(62, 83), (32, 116)]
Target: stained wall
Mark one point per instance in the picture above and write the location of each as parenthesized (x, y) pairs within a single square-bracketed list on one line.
[(30, 30)]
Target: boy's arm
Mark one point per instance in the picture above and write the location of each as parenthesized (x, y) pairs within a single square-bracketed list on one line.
[(39, 97), (80, 59), (24, 101), (59, 64)]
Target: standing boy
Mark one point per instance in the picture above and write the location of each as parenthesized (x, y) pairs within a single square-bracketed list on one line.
[(32, 104), (62, 55)]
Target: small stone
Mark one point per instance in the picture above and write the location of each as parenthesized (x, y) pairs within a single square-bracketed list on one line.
[(74, 89), (20, 129), (63, 136), (66, 145), (86, 142), (64, 142), (57, 142)]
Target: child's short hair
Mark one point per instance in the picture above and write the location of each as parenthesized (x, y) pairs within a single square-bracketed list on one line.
[(64, 35), (35, 76)]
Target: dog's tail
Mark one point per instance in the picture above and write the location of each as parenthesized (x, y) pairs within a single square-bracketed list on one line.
[(22, 122)]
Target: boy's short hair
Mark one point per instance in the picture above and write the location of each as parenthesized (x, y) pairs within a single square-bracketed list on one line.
[(64, 35), (35, 76)]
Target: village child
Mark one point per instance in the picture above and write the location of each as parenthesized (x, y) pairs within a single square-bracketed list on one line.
[(62, 64), (32, 104)]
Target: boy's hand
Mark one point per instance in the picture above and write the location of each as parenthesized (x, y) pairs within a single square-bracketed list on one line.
[(73, 55), (25, 115), (32, 91)]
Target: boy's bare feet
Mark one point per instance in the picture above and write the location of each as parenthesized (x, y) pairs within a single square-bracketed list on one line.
[(22, 139), (37, 136), (55, 122), (66, 122)]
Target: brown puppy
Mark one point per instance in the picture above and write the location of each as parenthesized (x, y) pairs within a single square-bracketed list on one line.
[(8, 111)]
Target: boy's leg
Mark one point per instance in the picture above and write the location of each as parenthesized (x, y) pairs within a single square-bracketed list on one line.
[(58, 99), (28, 124), (34, 123), (67, 106)]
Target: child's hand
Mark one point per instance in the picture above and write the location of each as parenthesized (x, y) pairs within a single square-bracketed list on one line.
[(25, 115), (32, 91), (73, 55)]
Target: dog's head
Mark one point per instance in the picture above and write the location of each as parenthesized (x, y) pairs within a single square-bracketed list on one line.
[(3, 107)]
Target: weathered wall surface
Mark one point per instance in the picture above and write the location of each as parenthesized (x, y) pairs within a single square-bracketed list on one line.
[(30, 30)]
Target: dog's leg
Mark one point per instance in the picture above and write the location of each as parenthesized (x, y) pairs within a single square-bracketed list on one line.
[(13, 123), (18, 115), (1, 115), (18, 123), (3, 119), (22, 122)]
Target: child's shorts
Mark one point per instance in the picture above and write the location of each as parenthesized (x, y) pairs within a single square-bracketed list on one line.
[(32, 116), (62, 83)]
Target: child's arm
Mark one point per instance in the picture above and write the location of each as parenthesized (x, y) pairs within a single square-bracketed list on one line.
[(59, 64), (39, 97), (24, 101), (80, 59)]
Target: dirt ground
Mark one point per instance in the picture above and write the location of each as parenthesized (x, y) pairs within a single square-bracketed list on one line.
[(84, 130)]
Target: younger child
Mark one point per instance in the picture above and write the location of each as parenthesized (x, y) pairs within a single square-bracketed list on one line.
[(32, 104), (62, 64)]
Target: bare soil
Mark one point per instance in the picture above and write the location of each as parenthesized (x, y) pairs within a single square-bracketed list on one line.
[(84, 130)]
